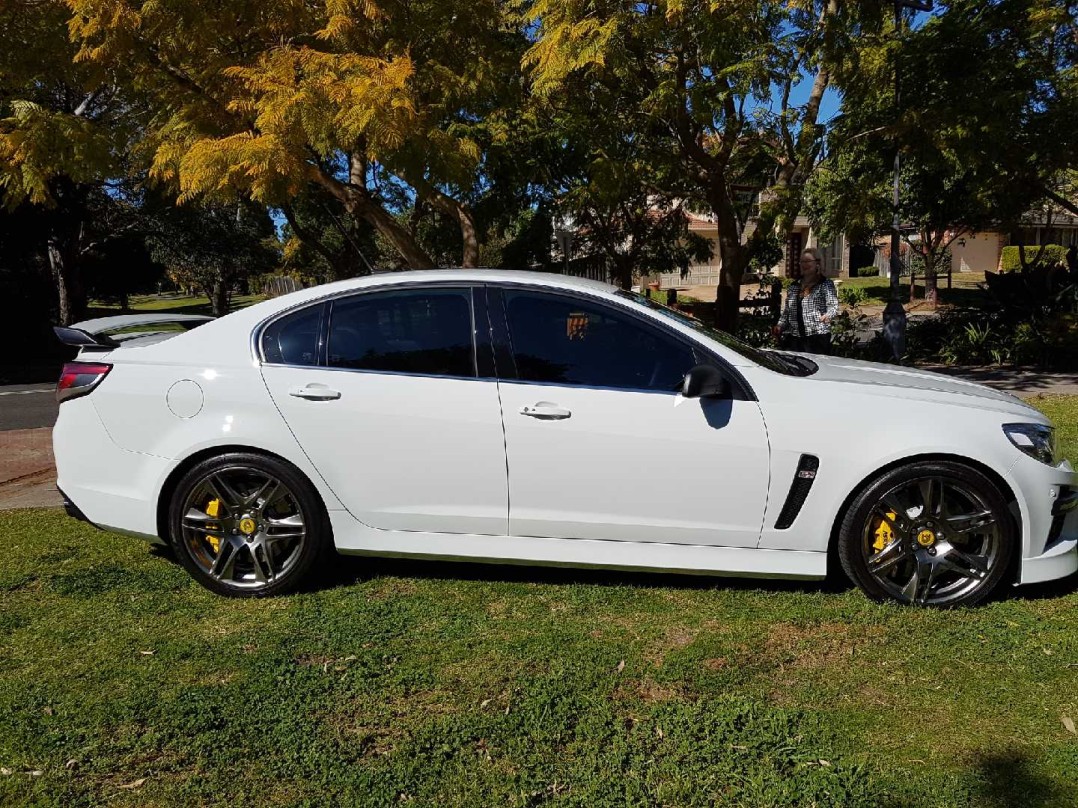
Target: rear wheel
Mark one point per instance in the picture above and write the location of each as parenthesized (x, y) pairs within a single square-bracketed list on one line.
[(932, 533), (247, 525)]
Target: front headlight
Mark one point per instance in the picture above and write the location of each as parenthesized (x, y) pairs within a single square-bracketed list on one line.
[(1036, 440)]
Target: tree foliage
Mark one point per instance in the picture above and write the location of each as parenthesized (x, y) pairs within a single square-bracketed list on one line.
[(710, 83), (266, 99), (988, 120)]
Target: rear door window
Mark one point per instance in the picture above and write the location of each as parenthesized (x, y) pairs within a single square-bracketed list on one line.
[(420, 331)]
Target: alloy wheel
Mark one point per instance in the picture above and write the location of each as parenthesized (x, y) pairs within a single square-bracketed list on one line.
[(931, 541), (243, 527)]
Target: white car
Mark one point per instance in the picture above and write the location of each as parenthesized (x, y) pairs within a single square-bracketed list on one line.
[(531, 418)]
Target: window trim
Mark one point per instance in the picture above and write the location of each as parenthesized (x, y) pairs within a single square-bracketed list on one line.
[(701, 354), (327, 302)]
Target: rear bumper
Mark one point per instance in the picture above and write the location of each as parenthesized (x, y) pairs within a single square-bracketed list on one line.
[(71, 509), (109, 487)]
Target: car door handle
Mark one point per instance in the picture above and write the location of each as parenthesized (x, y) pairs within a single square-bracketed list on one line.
[(546, 411), (315, 392)]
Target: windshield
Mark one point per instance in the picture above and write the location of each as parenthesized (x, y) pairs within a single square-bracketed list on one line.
[(788, 364)]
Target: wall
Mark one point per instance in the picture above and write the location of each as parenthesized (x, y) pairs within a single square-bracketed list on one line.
[(980, 253)]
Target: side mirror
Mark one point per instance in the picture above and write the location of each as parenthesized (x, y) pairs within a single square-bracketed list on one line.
[(705, 381)]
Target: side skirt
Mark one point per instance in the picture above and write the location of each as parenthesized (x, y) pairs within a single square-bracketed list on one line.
[(353, 538)]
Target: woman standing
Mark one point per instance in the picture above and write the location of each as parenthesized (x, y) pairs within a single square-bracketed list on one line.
[(811, 305)]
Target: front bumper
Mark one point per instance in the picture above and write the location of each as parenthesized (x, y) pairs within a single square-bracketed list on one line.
[(1048, 501)]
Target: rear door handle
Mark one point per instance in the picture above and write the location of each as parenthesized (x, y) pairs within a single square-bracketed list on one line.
[(545, 411), (315, 392)]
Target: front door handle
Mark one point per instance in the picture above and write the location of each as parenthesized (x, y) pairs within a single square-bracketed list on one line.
[(315, 392), (545, 411)]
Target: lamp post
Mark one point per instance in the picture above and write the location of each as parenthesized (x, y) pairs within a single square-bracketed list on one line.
[(894, 315)]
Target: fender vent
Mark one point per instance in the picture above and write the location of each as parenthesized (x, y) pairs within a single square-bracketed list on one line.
[(799, 490)]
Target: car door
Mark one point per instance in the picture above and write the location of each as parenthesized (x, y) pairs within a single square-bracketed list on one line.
[(600, 445), (383, 391)]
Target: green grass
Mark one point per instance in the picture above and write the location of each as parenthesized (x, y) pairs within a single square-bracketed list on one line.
[(122, 681), (964, 292), (179, 304)]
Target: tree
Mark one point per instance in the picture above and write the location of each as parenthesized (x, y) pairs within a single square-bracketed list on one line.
[(63, 128), (988, 122), (214, 247), (718, 78), (267, 99), (322, 240)]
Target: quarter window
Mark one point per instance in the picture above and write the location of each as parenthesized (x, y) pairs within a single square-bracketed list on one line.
[(426, 331), (293, 339), (568, 340)]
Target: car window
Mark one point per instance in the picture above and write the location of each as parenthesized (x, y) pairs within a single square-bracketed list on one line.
[(427, 331), (569, 340), (293, 339)]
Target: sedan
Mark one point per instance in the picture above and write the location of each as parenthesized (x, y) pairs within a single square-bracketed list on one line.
[(531, 418)]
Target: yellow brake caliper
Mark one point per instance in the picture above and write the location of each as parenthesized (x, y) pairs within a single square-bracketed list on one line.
[(884, 534), (212, 510)]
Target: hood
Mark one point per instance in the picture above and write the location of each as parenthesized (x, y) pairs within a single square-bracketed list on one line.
[(895, 381)]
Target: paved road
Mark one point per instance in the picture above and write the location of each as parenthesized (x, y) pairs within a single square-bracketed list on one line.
[(27, 406)]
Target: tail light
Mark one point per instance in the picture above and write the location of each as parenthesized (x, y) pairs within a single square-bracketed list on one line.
[(79, 378)]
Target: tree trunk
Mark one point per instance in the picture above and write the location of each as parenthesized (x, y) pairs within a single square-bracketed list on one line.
[(219, 294), (63, 250), (733, 257), (359, 203), (465, 218), (931, 287), (623, 272)]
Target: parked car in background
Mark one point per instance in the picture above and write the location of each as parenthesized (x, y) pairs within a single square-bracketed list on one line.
[(540, 419)]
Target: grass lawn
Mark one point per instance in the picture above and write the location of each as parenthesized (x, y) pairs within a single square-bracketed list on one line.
[(182, 304), (122, 681), (964, 291)]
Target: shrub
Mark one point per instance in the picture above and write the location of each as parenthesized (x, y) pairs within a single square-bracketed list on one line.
[(852, 295), (917, 264), (867, 272), (1053, 254)]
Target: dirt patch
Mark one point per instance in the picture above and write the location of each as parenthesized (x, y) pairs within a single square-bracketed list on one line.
[(821, 645)]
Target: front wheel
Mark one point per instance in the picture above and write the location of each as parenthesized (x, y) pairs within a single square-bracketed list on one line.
[(933, 533), (247, 525)]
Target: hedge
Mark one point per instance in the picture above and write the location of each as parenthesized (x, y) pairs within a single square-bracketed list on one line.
[(868, 272), (1053, 254)]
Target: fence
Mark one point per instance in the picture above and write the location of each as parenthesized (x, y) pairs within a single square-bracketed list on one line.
[(593, 268), (277, 285), (696, 276)]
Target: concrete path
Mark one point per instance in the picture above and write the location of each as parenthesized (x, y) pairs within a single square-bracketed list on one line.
[(1023, 383)]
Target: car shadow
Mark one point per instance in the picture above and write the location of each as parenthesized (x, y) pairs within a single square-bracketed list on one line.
[(349, 570), (1049, 590), (1008, 779)]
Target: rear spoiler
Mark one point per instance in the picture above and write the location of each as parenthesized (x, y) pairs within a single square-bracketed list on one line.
[(94, 334)]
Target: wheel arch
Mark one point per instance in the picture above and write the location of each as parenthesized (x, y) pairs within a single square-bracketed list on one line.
[(1005, 488), (172, 480)]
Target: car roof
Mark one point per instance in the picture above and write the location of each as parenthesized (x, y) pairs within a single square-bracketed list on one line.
[(411, 276)]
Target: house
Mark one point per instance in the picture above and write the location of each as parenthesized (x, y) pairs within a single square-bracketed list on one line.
[(836, 254), (970, 252)]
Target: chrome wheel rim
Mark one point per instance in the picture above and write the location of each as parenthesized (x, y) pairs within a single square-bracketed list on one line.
[(932, 541), (243, 527)]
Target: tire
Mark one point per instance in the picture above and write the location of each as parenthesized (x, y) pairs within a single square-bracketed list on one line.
[(265, 535), (932, 533)]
